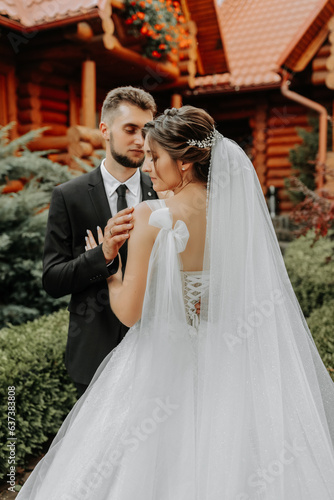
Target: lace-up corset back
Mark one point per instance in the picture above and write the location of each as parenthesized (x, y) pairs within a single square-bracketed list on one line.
[(195, 284)]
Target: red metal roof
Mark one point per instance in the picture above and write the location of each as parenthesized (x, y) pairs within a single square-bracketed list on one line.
[(256, 33), (35, 12)]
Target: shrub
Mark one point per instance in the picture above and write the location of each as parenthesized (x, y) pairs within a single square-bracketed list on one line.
[(311, 270), (31, 360), (321, 324), (23, 217)]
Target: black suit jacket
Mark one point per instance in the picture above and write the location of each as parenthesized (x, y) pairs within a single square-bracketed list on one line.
[(94, 330)]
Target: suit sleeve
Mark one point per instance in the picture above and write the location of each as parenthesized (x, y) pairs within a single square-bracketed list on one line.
[(63, 274)]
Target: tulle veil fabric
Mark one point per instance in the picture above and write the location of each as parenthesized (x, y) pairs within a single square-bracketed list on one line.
[(266, 401), (239, 408)]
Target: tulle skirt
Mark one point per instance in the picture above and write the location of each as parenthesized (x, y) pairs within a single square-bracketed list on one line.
[(141, 431)]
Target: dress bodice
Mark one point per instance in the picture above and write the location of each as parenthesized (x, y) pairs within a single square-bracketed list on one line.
[(195, 284)]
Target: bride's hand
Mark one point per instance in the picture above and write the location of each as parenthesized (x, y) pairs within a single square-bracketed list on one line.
[(90, 240)]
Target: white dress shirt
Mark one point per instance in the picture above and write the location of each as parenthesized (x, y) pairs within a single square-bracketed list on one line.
[(133, 193)]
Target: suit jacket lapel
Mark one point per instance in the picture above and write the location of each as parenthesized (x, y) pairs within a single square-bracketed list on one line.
[(98, 196)]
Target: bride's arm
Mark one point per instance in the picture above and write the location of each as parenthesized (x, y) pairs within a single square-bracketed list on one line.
[(126, 297)]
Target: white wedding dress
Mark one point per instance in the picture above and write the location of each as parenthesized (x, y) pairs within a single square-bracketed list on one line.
[(146, 430)]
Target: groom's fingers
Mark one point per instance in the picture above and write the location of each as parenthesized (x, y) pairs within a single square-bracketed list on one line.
[(90, 241), (118, 229), (121, 217)]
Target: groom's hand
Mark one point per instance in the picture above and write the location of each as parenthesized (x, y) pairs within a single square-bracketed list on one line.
[(116, 233)]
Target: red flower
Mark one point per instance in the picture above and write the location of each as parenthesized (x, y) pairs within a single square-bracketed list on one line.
[(156, 54), (162, 46), (129, 21), (141, 15), (142, 4), (133, 3), (144, 30)]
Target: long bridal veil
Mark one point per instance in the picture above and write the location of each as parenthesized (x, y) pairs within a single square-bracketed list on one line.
[(266, 401)]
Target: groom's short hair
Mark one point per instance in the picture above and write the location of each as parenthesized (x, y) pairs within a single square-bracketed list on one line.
[(131, 95)]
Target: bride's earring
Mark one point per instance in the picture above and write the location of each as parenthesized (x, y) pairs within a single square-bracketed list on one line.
[(183, 168)]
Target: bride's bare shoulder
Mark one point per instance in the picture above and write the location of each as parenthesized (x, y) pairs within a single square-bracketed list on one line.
[(141, 215)]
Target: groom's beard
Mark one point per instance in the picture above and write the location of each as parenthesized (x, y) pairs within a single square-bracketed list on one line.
[(123, 160)]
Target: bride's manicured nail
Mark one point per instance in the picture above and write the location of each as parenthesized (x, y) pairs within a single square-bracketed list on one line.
[(87, 231), (98, 227)]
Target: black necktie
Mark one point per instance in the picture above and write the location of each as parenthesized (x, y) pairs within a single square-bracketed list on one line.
[(121, 200)]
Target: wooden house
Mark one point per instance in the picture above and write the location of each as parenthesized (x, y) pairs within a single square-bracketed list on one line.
[(280, 55), (58, 60)]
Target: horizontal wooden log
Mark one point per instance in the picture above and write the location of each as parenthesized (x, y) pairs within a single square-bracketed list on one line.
[(43, 143), (319, 64), (32, 89), (80, 149), (279, 172), (93, 136), (324, 51), (34, 102), (285, 206), (54, 129), (319, 77), (39, 117), (287, 121), (278, 163), (279, 150), (285, 131), (284, 139)]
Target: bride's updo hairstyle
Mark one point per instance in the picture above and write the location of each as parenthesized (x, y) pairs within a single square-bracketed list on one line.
[(175, 127)]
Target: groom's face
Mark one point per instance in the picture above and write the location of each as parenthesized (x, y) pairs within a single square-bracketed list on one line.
[(126, 142)]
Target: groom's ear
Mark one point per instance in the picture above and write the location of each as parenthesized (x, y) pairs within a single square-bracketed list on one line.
[(104, 131)]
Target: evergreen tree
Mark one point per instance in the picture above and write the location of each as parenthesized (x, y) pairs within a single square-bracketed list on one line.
[(23, 217)]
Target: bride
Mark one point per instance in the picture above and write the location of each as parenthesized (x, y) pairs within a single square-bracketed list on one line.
[(234, 404)]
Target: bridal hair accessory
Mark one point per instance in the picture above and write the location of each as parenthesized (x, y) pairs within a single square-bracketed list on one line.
[(208, 142)]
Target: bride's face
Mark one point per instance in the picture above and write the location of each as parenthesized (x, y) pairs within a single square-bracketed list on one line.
[(165, 172)]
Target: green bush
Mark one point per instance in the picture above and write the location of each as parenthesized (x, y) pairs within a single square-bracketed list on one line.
[(23, 217), (311, 270), (31, 360), (321, 324)]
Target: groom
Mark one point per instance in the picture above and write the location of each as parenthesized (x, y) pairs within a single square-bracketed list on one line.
[(92, 201)]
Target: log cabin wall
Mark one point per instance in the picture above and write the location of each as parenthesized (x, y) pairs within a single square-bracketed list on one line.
[(8, 83), (44, 101), (282, 136)]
